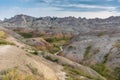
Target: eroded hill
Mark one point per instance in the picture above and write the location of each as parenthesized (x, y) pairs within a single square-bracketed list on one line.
[(91, 42), (22, 61)]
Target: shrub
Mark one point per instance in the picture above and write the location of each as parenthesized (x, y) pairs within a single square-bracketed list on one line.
[(54, 39), (14, 74), (33, 69), (105, 58), (54, 49), (87, 51), (50, 40), (117, 73), (96, 50), (43, 53), (101, 34), (103, 70), (117, 45), (3, 42), (26, 35), (100, 68), (72, 47), (2, 34), (35, 52), (31, 50), (74, 74), (51, 59)]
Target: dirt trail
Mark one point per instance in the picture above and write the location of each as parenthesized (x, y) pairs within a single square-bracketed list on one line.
[(61, 49)]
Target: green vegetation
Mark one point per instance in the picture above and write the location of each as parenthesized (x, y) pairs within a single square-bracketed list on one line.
[(28, 54), (50, 40), (96, 50), (29, 34), (105, 58), (74, 74), (117, 73), (87, 51), (43, 53), (14, 74), (106, 72), (31, 50), (51, 59), (117, 45), (3, 42), (54, 39), (103, 70), (54, 49), (33, 69), (26, 35), (101, 34), (56, 42), (100, 68), (72, 47), (2, 34), (34, 52)]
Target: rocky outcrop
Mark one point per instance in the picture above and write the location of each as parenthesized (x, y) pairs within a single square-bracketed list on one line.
[(66, 24), (92, 49), (94, 41), (39, 43)]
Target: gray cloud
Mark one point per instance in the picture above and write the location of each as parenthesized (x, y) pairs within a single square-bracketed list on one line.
[(89, 5)]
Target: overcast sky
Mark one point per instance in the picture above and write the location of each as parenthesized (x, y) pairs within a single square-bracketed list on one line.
[(60, 8)]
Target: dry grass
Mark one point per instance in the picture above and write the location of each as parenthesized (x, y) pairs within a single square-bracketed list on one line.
[(3, 42), (2, 34), (117, 45), (14, 74)]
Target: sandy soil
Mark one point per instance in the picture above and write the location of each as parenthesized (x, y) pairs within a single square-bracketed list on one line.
[(11, 56)]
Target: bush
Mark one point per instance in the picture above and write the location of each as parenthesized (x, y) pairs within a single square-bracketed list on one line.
[(14, 74), (54, 49), (3, 42), (103, 70), (101, 34), (74, 74), (51, 59), (26, 35), (87, 51), (117, 45), (96, 50), (72, 47), (35, 52), (33, 69), (100, 68), (117, 73), (50, 40), (2, 34), (54, 39), (105, 58)]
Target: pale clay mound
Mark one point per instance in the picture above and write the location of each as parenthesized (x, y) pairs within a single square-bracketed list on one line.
[(11, 56)]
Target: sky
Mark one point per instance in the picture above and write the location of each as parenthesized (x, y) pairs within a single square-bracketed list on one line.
[(60, 8)]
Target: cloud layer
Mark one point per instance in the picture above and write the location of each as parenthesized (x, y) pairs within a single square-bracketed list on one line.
[(82, 5), (60, 8)]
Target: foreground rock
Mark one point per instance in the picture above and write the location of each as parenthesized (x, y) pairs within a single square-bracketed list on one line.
[(41, 69)]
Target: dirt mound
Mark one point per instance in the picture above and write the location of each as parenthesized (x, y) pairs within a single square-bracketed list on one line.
[(11, 57)]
